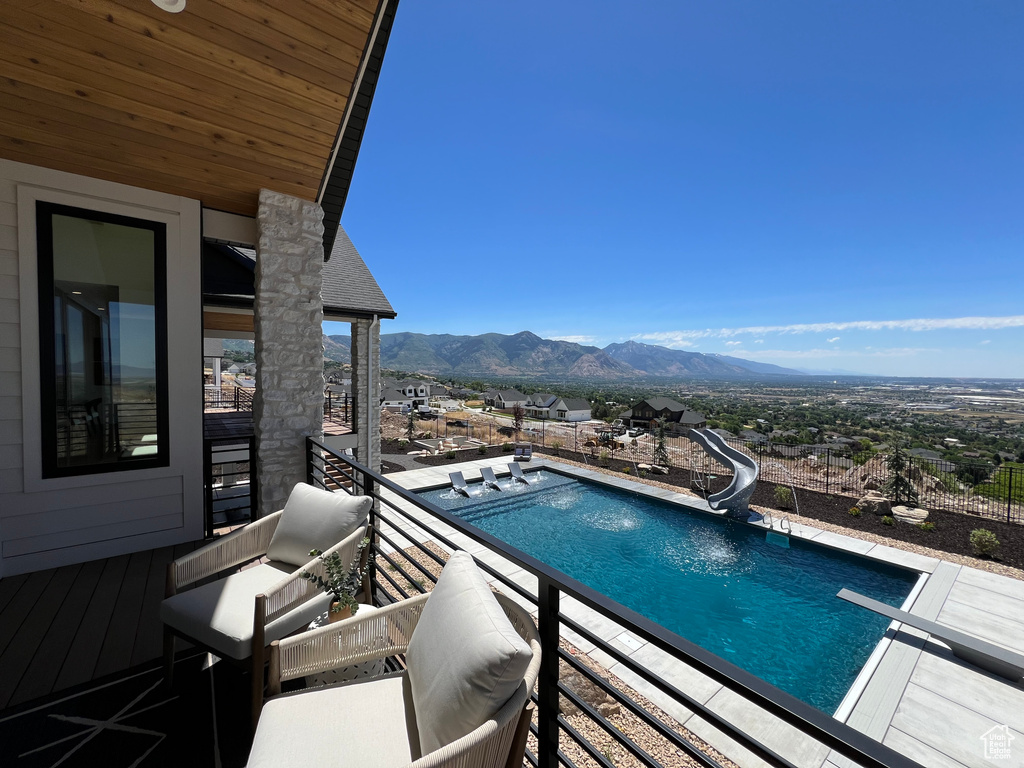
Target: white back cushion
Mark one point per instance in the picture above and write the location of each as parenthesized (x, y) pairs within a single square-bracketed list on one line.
[(465, 658), (315, 519)]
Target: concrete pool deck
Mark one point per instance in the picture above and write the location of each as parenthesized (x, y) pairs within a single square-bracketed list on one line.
[(913, 694)]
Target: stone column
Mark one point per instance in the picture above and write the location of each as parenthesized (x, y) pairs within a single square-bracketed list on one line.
[(366, 391), (289, 400)]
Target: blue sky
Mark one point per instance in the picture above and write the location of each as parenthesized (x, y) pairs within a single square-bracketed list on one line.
[(815, 184)]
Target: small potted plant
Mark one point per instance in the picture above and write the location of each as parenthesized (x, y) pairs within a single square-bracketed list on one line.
[(339, 581)]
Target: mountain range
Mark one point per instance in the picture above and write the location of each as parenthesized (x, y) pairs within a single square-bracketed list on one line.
[(527, 355)]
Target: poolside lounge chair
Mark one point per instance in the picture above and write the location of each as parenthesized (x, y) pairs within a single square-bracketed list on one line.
[(471, 657), (236, 617), (487, 473), (459, 485), (523, 452), (517, 473)]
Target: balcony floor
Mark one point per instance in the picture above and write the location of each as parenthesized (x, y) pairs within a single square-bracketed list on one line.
[(66, 626)]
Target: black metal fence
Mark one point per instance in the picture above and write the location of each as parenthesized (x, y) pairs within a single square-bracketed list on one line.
[(970, 487), (229, 484), (404, 566), (338, 407), (228, 398)]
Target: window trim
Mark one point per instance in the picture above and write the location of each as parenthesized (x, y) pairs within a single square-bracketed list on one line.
[(46, 340)]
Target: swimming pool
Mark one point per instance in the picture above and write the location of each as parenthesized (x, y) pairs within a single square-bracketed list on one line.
[(768, 609)]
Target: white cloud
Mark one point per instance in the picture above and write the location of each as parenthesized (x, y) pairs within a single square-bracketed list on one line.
[(759, 341), (683, 338), (575, 339), (987, 341), (763, 354), (733, 343), (833, 340)]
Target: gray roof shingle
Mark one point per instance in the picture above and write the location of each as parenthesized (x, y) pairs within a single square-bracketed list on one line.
[(576, 404), (348, 283)]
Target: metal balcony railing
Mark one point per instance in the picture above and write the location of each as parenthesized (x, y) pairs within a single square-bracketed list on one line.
[(403, 565)]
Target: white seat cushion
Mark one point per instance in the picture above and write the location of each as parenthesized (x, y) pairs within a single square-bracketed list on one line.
[(220, 614), (465, 658), (368, 724), (315, 519)]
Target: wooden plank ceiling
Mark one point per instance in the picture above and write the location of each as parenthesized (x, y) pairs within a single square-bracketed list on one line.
[(211, 103)]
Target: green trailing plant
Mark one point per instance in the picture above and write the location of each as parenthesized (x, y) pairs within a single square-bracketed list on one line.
[(660, 449), (888, 520), (926, 526), (854, 511), (340, 580), (783, 496), (898, 487), (984, 542)]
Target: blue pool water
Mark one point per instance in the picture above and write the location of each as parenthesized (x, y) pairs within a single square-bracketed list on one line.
[(770, 610)]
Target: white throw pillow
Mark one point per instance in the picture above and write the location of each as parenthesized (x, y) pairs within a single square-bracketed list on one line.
[(465, 658), (315, 519)]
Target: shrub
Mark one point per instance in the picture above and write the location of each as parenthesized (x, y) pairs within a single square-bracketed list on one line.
[(604, 456), (854, 511), (984, 542), (402, 443), (783, 496), (926, 526), (898, 487), (482, 450), (627, 469), (556, 446), (506, 447), (449, 454), (888, 520)]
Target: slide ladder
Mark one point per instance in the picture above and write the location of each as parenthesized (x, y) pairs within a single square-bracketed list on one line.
[(735, 498)]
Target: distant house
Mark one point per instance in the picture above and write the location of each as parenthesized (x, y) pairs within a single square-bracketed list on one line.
[(394, 399), (539, 405), (542, 405), (416, 391), (508, 398), (489, 396), (676, 416), (573, 409)]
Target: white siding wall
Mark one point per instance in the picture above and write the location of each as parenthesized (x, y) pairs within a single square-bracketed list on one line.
[(46, 523)]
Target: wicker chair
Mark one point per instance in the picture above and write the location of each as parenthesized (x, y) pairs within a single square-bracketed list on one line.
[(375, 722), (236, 616)]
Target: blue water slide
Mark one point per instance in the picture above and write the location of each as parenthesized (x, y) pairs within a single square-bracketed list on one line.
[(735, 499)]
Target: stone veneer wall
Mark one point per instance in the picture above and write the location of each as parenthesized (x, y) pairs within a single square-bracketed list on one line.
[(289, 400), (366, 390)]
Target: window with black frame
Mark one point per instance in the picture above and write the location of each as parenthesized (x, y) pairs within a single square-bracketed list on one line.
[(103, 341)]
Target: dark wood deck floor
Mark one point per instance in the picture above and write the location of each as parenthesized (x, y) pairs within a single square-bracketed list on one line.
[(69, 625)]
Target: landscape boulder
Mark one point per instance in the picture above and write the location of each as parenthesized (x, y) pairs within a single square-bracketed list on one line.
[(874, 503), (872, 484), (913, 515)]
